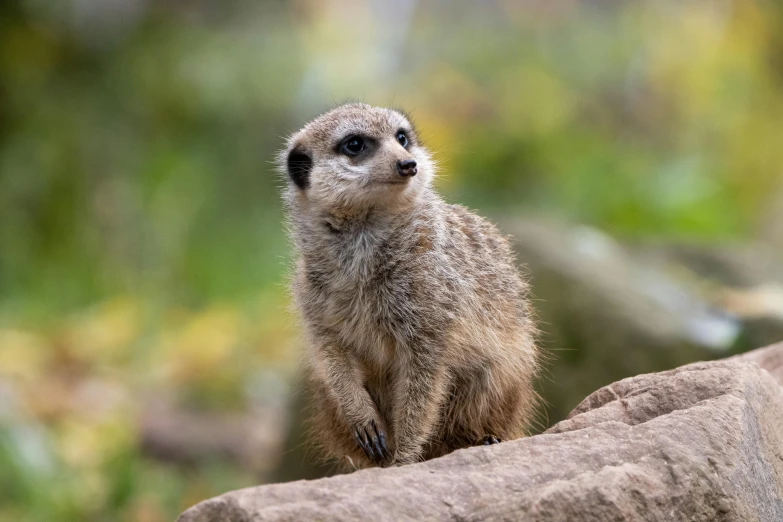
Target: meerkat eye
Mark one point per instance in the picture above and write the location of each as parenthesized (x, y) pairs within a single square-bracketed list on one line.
[(402, 138), (352, 146)]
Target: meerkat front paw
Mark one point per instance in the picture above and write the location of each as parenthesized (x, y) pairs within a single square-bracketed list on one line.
[(372, 439)]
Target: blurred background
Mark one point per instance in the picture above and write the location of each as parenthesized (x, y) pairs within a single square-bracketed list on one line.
[(147, 353)]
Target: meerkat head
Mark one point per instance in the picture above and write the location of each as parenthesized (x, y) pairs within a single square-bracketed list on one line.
[(356, 157)]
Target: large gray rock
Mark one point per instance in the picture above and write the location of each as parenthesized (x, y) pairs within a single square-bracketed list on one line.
[(610, 309), (701, 442)]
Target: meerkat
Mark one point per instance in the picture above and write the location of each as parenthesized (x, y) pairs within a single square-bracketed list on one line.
[(419, 329)]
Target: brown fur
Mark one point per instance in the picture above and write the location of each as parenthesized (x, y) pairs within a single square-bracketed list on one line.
[(415, 315)]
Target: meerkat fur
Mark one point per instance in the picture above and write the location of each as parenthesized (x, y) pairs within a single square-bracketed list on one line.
[(419, 330)]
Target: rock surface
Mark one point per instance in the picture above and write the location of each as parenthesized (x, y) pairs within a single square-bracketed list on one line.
[(703, 442), (610, 308)]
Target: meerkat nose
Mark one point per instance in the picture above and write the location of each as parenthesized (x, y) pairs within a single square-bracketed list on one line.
[(407, 168)]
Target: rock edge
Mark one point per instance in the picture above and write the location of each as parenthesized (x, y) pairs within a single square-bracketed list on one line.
[(703, 442)]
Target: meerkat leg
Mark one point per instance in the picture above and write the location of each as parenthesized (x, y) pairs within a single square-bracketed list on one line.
[(421, 389), (488, 407), (344, 382)]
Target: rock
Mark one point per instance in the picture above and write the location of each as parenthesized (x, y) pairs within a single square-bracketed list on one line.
[(769, 358), (605, 314), (703, 442), (253, 440), (610, 309)]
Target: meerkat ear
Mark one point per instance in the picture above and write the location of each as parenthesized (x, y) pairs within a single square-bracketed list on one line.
[(299, 165)]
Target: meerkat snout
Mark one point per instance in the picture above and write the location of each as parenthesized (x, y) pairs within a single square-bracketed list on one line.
[(406, 168)]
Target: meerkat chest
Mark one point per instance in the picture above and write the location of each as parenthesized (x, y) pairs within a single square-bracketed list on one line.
[(366, 290), (363, 293), (358, 312)]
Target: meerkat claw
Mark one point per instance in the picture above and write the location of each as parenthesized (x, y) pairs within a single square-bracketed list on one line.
[(384, 447), (364, 443), (489, 440), (379, 442), (372, 447), (372, 440)]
